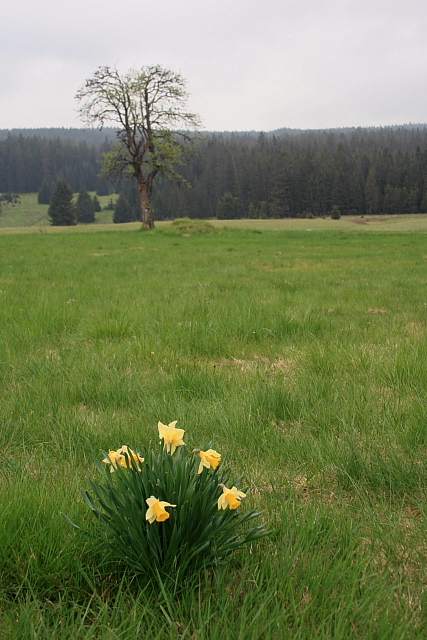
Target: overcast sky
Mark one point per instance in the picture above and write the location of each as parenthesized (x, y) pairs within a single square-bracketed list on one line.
[(249, 64)]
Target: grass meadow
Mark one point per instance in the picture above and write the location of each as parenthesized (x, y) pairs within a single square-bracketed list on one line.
[(302, 355), (27, 213), (27, 216)]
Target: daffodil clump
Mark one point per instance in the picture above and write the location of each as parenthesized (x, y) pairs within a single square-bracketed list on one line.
[(170, 509)]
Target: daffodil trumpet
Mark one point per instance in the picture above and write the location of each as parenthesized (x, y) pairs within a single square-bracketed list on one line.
[(230, 497), (156, 511), (208, 459)]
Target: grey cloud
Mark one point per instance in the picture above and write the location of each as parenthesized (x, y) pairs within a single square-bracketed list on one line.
[(250, 64)]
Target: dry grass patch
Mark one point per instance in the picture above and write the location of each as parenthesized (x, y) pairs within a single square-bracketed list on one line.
[(377, 312), (283, 366), (416, 329)]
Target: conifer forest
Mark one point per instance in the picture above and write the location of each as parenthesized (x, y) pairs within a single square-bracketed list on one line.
[(286, 173)]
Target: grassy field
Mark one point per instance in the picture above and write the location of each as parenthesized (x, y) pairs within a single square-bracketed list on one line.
[(27, 213), (30, 217), (303, 355)]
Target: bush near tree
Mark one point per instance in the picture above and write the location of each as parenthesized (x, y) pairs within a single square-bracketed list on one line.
[(62, 211), (228, 207), (335, 213), (263, 211), (253, 211)]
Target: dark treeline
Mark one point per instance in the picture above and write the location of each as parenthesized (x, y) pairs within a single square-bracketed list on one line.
[(361, 171), (285, 173), (26, 163), (93, 137)]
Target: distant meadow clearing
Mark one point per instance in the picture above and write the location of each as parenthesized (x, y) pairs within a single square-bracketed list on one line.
[(300, 352)]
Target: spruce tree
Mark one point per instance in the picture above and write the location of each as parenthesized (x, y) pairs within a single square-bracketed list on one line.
[(85, 209), (96, 204), (62, 211), (130, 191), (45, 192), (122, 210)]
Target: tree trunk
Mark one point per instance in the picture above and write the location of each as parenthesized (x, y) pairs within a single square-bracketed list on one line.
[(147, 213)]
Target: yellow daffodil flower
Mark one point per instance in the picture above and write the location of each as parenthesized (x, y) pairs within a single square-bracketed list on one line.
[(230, 497), (118, 457), (208, 459), (156, 510), (171, 436)]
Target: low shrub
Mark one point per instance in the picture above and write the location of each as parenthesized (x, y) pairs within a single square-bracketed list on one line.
[(187, 225)]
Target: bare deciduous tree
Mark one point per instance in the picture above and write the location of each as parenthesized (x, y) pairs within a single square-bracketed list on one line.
[(155, 131)]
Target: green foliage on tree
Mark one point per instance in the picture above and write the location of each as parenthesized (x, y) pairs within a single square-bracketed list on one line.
[(62, 212), (149, 106), (85, 210)]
